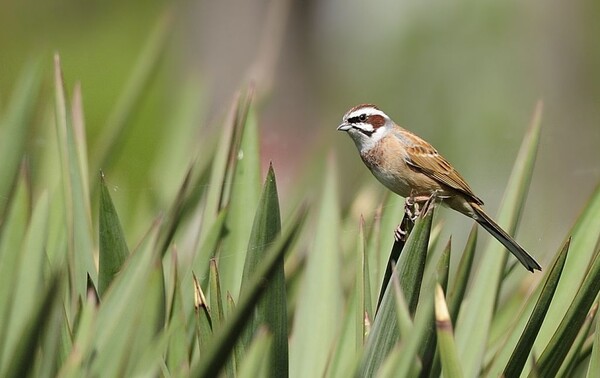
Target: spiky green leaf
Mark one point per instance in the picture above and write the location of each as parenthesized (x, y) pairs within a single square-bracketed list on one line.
[(446, 345), (113, 247), (385, 333), (320, 298), (14, 129), (472, 341), (272, 309), (228, 335), (521, 352)]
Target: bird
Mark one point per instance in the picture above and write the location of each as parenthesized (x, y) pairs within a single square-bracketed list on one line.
[(412, 168)]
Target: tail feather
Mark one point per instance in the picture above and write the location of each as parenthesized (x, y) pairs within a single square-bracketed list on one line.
[(492, 227)]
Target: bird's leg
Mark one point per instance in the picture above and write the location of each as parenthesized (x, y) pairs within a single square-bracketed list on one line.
[(411, 212), (409, 207), (403, 230), (431, 200), (414, 205)]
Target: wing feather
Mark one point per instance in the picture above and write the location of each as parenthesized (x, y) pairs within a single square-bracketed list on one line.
[(424, 158)]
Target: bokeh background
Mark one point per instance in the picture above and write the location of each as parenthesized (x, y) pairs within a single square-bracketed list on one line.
[(465, 75)]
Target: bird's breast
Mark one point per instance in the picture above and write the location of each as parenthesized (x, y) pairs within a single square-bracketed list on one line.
[(389, 168), (387, 161)]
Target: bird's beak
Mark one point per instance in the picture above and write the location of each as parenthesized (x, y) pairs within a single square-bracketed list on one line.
[(344, 127)]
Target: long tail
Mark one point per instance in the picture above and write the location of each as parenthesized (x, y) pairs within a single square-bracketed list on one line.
[(492, 227)]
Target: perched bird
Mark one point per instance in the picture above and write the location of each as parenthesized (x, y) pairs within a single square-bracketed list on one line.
[(412, 168)]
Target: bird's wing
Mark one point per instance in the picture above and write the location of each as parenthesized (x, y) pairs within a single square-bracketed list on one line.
[(424, 158)]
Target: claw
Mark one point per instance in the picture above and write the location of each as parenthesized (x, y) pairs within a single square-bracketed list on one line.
[(399, 234), (414, 206), (411, 207)]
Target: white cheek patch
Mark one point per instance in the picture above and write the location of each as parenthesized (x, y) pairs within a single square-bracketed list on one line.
[(378, 134), (366, 126), (364, 142)]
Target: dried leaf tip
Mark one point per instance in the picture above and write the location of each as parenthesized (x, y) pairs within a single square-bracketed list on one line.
[(442, 317), (199, 298)]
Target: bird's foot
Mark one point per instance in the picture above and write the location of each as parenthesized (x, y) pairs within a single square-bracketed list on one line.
[(431, 200), (414, 205), (411, 208), (400, 233)]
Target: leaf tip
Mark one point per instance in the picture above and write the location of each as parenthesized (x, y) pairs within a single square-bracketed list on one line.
[(442, 316), (271, 171), (539, 106), (536, 119), (199, 298)]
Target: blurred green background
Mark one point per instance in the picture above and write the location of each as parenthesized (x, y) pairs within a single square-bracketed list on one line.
[(464, 75)]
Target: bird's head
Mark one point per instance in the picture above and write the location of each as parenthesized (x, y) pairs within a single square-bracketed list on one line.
[(366, 125)]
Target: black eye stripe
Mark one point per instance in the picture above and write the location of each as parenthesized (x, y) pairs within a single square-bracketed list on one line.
[(361, 118), (358, 119)]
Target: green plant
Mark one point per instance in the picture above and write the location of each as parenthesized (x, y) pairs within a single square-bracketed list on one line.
[(204, 290)]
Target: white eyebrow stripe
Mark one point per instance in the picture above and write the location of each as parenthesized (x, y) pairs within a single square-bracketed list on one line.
[(368, 111)]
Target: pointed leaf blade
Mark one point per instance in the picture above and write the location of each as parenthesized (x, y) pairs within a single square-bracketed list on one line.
[(411, 266), (521, 352), (319, 300), (14, 127), (568, 329), (212, 363), (446, 345), (272, 309), (472, 341), (244, 196), (113, 247)]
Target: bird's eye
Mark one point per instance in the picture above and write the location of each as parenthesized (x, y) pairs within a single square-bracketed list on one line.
[(362, 117)]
